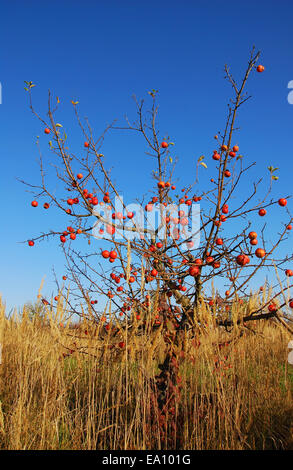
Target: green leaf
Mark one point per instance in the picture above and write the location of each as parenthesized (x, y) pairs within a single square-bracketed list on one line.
[(28, 85), (58, 125), (153, 93), (272, 169), (200, 158), (275, 177), (171, 160), (203, 164)]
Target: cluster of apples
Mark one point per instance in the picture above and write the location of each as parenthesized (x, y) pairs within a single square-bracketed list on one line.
[(186, 200), (110, 255), (92, 199), (242, 259), (161, 185), (194, 269), (117, 279), (71, 232), (224, 148), (222, 218)]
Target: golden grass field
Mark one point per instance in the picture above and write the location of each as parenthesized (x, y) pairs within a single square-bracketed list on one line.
[(64, 388)]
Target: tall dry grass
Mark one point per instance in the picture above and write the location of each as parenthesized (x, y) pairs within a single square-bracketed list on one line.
[(64, 388)]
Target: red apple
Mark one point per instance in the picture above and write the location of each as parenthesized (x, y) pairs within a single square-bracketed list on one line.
[(193, 271), (94, 201), (110, 229), (260, 252), (272, 307), (282, 202), (242, 260)]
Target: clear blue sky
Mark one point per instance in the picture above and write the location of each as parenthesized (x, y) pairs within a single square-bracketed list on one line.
[(102, 52)]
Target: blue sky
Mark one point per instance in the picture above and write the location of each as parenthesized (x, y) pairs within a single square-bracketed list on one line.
[(101, 53)]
